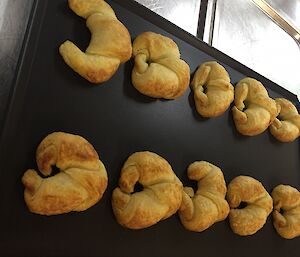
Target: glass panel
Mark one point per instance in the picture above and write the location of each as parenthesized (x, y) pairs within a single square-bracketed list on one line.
[(245, 33), (288, 9), (183, 13)]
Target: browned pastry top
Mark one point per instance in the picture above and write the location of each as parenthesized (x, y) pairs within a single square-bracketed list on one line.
[(158, 71), (110, 42), (213, 92), (254, 110), (202, 209), (159, 199), (286, 127), (286, 214), (250, 219), (80, 183)]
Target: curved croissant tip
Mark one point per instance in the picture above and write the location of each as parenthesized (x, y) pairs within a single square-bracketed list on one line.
[(31, 181)]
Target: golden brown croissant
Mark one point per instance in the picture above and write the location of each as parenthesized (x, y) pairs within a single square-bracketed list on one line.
[(250, 219), (254, 110), (213, 92), (160, 198), (286, 214), (80, 183), (208, 205), (110, 43), (158, 71), (286, 127)]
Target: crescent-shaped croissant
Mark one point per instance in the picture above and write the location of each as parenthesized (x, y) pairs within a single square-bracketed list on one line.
[(254, 110), (161, 195), (286, 127), (200, 210), (80, 183), (286, 214), (259, 204), (110, 42), (158, 71), (213, 92)]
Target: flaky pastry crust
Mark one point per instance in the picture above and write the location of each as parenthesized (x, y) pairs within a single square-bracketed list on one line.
[(200, 210), (213, 92), (286, 127), (80, 183), (254, 110), (110, 43), (250, 219), (161, 195), (286, 214), (158, 71)]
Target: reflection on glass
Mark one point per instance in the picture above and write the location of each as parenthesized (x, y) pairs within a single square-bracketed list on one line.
[(183, 13)]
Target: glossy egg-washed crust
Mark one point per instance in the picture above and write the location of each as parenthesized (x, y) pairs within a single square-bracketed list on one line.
[(110, 43), (161, 195), (248, 220), (207, 206), (213, 92), (286, 214), (158, 71), (254, 110), (80, 183), (286, 127)]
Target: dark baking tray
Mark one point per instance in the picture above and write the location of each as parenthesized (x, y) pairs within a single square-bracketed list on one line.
[(48, 96)]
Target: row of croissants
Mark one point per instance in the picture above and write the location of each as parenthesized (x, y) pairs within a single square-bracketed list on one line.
[(83, 179), (160, 73)]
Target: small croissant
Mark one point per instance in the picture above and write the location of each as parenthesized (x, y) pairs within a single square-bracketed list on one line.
[(248, 220), (200, 210), (286, 127), (161, 195), (80, 183), (110, 43), (254, 110), (213, 92), (158, 71), (286, 214)]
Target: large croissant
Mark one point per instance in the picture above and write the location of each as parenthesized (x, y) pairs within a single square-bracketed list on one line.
[(208, 205), (286, 214), (213, 92), (248, 220), (286, 127), (110, 43), (160, 198), (254, 110), (80, 183), (158, 71)]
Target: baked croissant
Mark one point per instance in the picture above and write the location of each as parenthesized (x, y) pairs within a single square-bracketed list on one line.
[(248, 220), (254, 110), (80, 183), (110, 42), (286, 127), (208, 205), (213, 92), (286, 214), (158, 71), (161, 195)]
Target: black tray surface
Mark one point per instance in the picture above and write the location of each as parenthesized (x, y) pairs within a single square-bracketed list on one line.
[(48, 96)]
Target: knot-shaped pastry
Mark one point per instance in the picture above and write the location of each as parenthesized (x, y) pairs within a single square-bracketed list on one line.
[(110, 42), (254, 110), (286, 127), (80, 183), (286, 214), (213, 92), (161, 195), (247, 190), (200, 210), (158, 71)]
